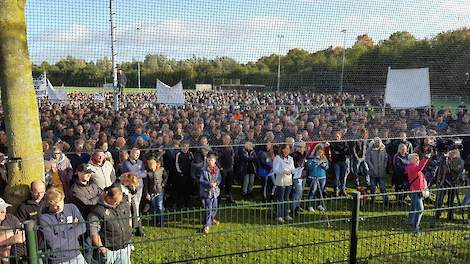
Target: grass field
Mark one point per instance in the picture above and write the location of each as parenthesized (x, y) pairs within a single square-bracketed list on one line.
[(249, 234)]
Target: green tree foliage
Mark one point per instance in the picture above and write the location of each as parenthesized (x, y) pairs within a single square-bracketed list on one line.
[(366, 64)]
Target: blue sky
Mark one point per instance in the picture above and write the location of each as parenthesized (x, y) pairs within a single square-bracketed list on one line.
[(244, 30)]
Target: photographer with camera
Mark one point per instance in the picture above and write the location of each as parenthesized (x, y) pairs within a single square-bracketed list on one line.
[(449, 176)]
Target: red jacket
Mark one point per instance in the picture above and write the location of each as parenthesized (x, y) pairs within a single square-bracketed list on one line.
[(415, 176)]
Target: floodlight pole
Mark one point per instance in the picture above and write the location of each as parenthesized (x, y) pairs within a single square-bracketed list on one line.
[(138, 62), (344, 58), (279, 63), (112, 13)]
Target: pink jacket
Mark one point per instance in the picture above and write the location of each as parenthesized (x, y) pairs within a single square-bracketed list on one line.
[(415, 178)]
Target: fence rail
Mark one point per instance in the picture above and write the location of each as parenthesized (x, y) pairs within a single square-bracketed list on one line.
[(354, 229)]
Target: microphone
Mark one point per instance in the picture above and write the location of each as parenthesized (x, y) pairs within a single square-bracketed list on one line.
[(468, 76)]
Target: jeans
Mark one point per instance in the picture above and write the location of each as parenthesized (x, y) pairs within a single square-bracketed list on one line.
[(340, 173), (210, 204), (298, 185), (157, 208), (416, 210), (76, 260), (248, 181), (315, 184), (268, 186), (282, 197), (121, 256), (381, 183)]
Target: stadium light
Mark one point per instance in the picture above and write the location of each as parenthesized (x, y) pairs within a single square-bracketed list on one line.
[(279, 63), (344, 58)]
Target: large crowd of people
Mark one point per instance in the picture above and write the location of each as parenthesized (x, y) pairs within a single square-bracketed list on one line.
[(110, 167)]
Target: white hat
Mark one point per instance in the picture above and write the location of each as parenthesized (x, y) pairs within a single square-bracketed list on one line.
[(3, 204)]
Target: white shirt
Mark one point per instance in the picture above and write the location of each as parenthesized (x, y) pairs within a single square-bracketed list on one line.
[(283, 170)]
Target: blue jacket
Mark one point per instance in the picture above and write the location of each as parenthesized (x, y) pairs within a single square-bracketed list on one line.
[(61, 232), (205, 179), (137, 168), (316, 168)]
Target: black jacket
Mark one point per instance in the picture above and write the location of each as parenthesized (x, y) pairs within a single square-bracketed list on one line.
[(226, 158), (183, 166), (155, 181), (30, 210), (339, 151)]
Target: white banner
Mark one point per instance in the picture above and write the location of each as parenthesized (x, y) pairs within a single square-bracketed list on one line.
[(170, 95), (408, 88)]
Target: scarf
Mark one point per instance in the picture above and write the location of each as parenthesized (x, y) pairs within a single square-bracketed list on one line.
[(213, 170)]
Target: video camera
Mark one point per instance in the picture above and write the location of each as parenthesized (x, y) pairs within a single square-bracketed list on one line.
[(444, 145)]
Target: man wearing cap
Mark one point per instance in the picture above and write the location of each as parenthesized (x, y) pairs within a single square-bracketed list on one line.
[(85, 192), (11, 237), (61, 225), (110, 228), (31, 209)]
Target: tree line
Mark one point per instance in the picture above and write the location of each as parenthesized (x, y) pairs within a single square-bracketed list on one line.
[(366, 64)]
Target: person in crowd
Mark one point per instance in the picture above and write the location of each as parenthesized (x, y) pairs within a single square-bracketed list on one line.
[(129, 185), (402, 140), (376, 159), (108, 156), (122, 81), (103, 172), (247, 167), (154, 188), (184, 159), (359, 168), (339, 153), (79, 156), (118, 146), (61, 226), (209, 181), (283, 168), (417, 184), (450, 175), (64, 168), (32, 208), (51, 175), (3, 174), (136, 166), (85, 192), (226, 161), (298, 181), (12, 238), (466, 199), (265, 170), (399, 177), (110, 228), (317, 167), (200, 159)]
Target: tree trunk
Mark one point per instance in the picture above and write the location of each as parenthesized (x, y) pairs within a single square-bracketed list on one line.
[(20, 108)]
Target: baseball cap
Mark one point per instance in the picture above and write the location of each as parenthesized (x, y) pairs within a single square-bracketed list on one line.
[(3, 204), (84, 168)]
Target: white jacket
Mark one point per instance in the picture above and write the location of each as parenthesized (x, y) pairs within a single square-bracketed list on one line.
[(280, 166), (104, 175)]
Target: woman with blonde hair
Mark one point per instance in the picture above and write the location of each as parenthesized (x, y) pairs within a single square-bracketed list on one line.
[(417, 184)]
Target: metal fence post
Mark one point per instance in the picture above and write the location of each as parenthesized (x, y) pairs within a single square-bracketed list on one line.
[(354, 227), (31, 242)]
